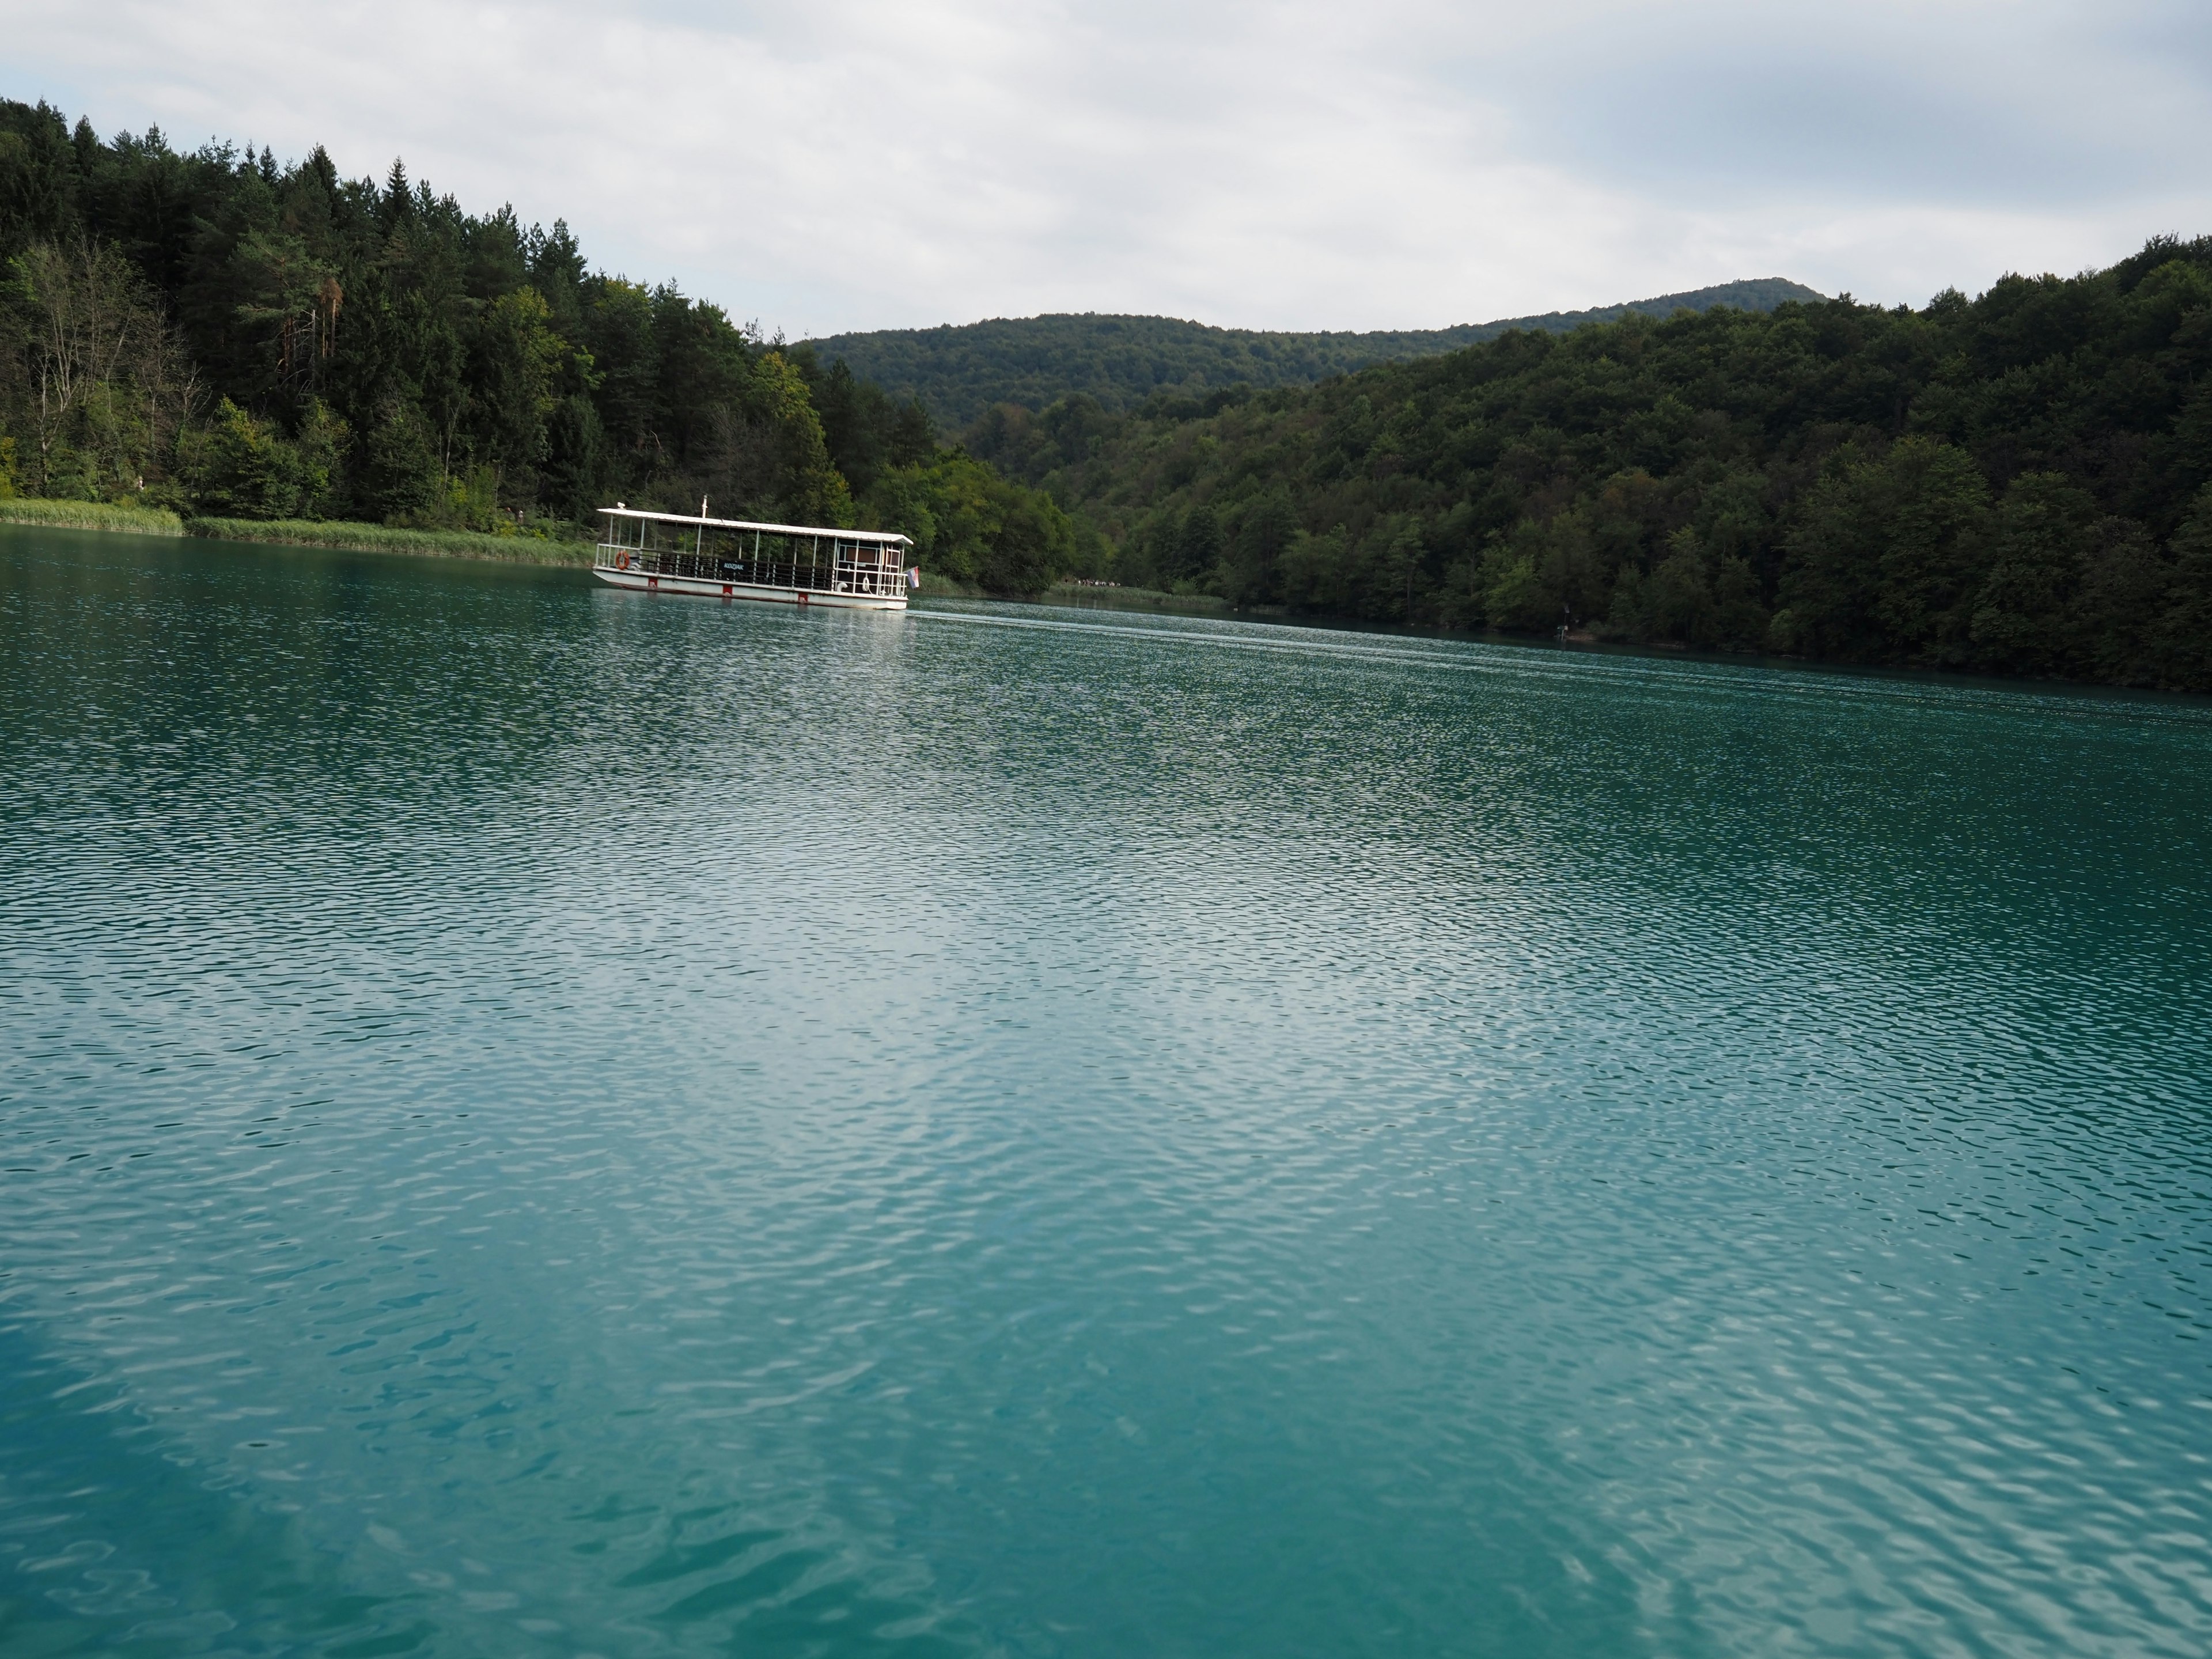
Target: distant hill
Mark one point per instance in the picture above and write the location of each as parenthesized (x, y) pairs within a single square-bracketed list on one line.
[(958, 372)]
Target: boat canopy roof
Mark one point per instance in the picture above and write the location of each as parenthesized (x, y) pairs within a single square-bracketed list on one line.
[(884, 537)]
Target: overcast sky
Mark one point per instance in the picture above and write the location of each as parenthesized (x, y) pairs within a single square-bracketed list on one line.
[(855, 164)]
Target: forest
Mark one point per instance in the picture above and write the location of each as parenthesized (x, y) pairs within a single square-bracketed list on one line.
[(2020, 483), (956, 372), (214, 332)]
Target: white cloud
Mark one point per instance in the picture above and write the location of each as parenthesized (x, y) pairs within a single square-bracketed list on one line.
[(861, 164)]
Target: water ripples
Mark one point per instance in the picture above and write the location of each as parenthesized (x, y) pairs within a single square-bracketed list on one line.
[(539, 1119)]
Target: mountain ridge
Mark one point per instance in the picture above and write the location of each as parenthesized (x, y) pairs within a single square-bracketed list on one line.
[(959, 370)]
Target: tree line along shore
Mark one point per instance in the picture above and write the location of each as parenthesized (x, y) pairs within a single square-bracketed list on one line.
[(2017, 483), (210, 334), (2020, 483)]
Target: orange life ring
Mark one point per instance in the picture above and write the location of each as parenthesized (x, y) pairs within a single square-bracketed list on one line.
[(622, 561)]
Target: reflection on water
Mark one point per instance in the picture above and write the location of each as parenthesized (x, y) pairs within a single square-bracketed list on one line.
[(544, 1121)]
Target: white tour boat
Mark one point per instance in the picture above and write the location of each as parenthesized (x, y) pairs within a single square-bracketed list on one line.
[(735, 559)]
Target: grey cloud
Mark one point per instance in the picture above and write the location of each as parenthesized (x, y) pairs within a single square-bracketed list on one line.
[(1849, 130), (2021, 106), (861, 163)]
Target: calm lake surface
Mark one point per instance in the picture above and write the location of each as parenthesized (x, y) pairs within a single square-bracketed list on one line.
[(539, 1121)]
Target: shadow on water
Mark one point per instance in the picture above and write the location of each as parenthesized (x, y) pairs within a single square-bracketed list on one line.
[(112, 1541)]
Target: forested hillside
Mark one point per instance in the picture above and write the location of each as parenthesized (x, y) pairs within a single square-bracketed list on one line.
[(956, 372), (213, 331), (2020, 483)]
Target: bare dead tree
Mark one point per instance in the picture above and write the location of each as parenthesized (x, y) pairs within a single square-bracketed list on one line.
[(82, 330)]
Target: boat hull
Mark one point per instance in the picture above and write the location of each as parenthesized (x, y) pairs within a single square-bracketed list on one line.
[(704, 588)]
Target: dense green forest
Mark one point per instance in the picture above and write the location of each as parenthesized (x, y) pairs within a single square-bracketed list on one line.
[(956, 372), (214, 332), (2020, 483)]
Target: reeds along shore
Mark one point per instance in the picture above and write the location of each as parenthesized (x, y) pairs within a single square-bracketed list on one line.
[(387, 539), (90, 515), (297, 533)]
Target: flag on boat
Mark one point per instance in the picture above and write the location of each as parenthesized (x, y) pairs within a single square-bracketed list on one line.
[(914, 577)]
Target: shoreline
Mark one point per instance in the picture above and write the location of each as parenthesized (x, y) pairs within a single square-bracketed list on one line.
[(1086, 596), (35, 513), (38, 513), (340, 536)]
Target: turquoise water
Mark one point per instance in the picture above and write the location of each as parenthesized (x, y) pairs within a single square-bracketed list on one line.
[(543, 1121)]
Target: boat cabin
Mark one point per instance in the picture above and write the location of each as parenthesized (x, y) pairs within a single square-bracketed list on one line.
[(738, 559)]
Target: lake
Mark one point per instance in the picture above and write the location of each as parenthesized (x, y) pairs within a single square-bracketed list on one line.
[(540, 1120)]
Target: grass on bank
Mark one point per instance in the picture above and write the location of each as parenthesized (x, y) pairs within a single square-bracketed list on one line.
[(384, 538), (297, 533), (1134, 598), (90, 515), (936, 586), (472, 544)]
